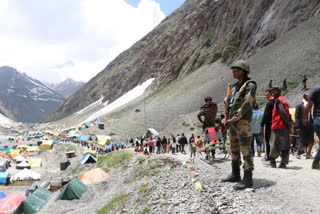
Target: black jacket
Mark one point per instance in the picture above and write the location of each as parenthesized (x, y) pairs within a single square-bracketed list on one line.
[(183, 140), (267, 114), (299, 117), (164, 141), (158, 142)]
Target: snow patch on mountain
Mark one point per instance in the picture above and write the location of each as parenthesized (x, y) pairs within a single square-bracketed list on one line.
[(4, 120), (124, 99), (91, 106)]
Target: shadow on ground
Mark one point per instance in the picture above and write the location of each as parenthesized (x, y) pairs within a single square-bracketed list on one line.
[(288, 167), (262, 183)]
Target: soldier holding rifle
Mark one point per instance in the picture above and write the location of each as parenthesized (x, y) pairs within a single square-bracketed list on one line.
[(239, 109)]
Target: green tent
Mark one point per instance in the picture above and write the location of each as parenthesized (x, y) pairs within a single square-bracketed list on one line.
[(73, 190), (7, 150), (34, 202)]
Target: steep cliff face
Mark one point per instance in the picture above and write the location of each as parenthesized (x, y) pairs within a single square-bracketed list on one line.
[(198, 33)]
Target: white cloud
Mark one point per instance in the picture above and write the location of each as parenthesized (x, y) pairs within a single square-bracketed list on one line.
[(38, 37)]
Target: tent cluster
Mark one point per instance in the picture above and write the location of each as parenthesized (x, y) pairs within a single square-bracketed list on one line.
[(34, 202), (21, 149)]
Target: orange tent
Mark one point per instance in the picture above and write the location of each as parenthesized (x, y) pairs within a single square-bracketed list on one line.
[(13, 155), (10, 203), (94, 176), (26, 155), (4, 155)]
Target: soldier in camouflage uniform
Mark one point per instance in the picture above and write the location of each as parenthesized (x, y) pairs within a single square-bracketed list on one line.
[(243, 99)]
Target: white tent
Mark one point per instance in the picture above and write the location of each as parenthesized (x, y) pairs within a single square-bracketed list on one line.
[(26, 174), (151, 132), (23, 165), (99, 137), (19, 158)]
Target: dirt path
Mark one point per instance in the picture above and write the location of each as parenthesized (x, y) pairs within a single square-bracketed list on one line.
[(291, 190)]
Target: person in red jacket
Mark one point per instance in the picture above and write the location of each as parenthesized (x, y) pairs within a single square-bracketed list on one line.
[(280, 129)]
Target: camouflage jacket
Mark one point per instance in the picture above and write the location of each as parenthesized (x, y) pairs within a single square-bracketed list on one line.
[(242, 101)]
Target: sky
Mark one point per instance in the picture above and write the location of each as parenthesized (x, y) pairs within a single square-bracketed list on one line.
[(54, 40)]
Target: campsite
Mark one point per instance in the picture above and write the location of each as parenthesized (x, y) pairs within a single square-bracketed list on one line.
[(157, 106)]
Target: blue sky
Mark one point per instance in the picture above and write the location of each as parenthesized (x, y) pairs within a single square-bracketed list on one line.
[(167, 6)]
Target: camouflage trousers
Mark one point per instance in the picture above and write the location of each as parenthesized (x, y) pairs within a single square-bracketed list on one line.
[(240, 142)]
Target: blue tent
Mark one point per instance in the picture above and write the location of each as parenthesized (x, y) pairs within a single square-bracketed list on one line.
[(1, 170), (2, 195), (84, 137), (88, 158), (111, 144), (3, 177)]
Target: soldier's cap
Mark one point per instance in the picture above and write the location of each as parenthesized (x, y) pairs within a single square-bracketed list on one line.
[(276, 89), (242, 65)]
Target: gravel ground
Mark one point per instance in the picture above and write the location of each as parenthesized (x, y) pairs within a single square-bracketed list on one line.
[(166, 184)]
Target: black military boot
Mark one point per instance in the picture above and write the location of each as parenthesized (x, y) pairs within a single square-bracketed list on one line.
[(273, 163), (246, 181), (315, 164), (235, 174)]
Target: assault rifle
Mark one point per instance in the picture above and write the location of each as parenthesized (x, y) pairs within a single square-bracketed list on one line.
[(227, 103)]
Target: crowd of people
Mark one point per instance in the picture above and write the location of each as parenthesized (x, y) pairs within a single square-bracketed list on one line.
[(169, 145), (247, 125)]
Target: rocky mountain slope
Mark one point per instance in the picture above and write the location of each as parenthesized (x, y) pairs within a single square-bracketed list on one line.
[(25, 99), (172, 108), (200, 32), (66, 87)]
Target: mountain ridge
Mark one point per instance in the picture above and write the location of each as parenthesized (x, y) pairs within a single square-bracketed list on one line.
[(66, 87), (25, 99), (196, 34)]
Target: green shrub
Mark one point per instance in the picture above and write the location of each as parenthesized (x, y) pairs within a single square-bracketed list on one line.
[(145, 210), (75, 170), (114, 158), (143, 188), (292, 85), (119, 199), (70, 148)]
